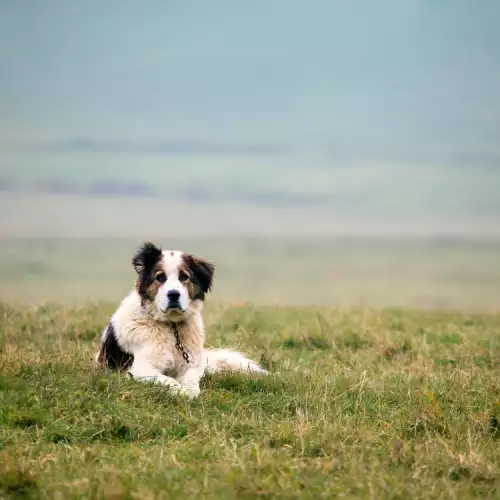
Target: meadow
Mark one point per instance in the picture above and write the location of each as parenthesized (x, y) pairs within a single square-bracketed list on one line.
[(341, 168), (362, 403), (385, 362)]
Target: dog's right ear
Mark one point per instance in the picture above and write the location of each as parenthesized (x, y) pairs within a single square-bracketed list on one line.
[(146, 258)]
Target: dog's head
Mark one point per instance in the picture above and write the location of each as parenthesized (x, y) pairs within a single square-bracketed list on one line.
[(173, 283)]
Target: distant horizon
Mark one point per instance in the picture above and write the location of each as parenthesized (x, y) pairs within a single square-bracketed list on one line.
[(459, 157), (264, 117)]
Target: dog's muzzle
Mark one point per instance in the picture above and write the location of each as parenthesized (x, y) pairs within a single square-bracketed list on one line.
[(173, 301)]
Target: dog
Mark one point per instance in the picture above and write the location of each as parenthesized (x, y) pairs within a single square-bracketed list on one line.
[(157, 334)]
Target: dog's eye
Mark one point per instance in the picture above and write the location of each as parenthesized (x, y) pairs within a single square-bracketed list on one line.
[(183, 276), (161, 277)]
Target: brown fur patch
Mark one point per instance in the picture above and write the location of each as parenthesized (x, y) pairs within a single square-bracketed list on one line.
[(147, 263), (201, 273), (195, 291), (148, 286)]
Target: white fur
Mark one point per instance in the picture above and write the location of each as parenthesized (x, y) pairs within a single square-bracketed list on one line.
[(143, 333), (171, 263), (220, 359)]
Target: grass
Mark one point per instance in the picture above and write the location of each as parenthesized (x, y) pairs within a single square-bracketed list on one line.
[(367, 403)]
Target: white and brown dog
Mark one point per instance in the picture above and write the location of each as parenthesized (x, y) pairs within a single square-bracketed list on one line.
[(157, 334)]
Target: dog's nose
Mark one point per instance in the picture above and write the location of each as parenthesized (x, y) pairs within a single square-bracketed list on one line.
[(173, 295)]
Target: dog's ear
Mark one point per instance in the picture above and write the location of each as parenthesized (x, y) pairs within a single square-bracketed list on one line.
[(202, 270), (146, 258)]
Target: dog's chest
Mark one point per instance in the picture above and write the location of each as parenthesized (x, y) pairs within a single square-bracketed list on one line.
[(163, 345), (176, 352), (175, 365)]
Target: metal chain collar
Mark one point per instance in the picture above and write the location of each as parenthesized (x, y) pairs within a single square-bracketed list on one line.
[(178, 344)]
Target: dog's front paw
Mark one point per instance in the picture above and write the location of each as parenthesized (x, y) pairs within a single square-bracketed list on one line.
[(190, 391)]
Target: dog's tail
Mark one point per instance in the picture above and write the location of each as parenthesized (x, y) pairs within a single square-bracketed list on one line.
[(217, 360)]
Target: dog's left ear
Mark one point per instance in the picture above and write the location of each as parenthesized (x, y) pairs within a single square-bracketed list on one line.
[(202, 270)]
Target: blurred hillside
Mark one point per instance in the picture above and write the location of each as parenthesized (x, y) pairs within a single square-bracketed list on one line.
[(100, 194), (282, 117)]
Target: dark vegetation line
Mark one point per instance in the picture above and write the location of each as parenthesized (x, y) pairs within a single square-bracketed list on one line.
[(192, 194), (177, 148), (457, 157)]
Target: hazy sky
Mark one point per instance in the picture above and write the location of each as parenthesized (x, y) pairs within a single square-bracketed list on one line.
[(384, 79)]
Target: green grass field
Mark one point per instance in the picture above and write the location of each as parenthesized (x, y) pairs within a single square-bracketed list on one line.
[(366, 400), (367, 404)]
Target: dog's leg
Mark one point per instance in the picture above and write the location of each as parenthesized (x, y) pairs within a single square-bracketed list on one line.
[(190, 381), (143, 371)]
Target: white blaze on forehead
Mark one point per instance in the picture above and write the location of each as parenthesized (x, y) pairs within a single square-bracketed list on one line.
[(172, 260)]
